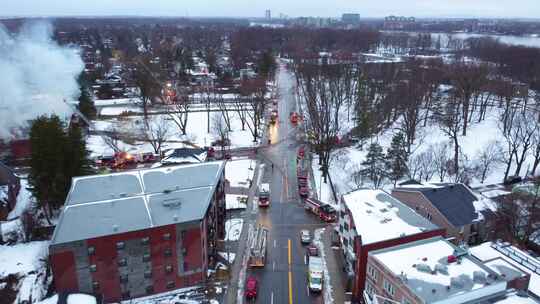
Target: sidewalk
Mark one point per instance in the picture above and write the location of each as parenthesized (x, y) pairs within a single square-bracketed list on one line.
[(236, 281), (334, 262)]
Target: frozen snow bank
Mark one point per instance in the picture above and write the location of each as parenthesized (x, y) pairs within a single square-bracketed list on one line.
[(238, 174), (233, 229), (233, 201)]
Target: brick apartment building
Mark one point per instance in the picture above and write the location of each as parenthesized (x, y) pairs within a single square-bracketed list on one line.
[(136, 233), (453, 207), (373, 220), (434, 271)]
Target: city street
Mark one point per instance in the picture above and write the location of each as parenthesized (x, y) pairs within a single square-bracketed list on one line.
[(284, 278)]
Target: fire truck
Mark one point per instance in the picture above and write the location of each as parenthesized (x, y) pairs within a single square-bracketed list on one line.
[(325, 212), (257, 247), (264, 195), (303, 188)]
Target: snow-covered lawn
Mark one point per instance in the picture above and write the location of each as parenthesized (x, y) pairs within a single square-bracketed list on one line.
[(24, 200), (26, 261), (233, 229), (234, 201), (323, 191), (197, 131), (237, 172)]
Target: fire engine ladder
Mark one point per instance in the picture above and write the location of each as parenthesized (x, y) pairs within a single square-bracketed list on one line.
[(258, 242)]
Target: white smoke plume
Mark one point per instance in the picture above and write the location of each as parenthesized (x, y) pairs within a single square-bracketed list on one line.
[(36, 75)]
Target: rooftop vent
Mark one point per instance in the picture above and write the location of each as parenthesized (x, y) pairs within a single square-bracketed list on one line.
[(369, 204), (479, 277), (440, 268), (175, 217), (171, 203), (456, 282), (123, 194), (383, 210), (423, 267), (115, 227)]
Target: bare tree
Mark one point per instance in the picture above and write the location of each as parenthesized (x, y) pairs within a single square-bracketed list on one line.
[(441, 159), (519, 213), (112, 138), (427, 165), (450, 124), (486, 158), (223, 107), (519, 138), (148, 86), (155, 132), (220, 130), (536, 151), (240, 107), (254, 93), (179, 111)]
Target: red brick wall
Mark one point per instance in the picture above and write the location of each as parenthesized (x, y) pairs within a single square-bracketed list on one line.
[(362, 251), (64, 272)]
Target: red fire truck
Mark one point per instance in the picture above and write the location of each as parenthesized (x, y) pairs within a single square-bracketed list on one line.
[(326, 212)]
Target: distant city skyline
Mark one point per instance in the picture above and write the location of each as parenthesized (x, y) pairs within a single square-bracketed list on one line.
[(250, 8)]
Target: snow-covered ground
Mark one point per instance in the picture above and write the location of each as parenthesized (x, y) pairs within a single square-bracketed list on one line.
[(24, 200), (234, 201), (238, 174), (324, 190), (27, 262), (197, 132), (233, 229)]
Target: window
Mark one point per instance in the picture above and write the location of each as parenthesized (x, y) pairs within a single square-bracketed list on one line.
[(346, 226), (369, 289), (120, 245), (389, 288), (372, 272), (122, 262), (91, 250), (184, 251), (341, 228), (429, 217), (186, 266), (123, 278), (93, 268), (168, 269), (148, 274), (183, 234), (149, 289), (95, 285), (170, 285), (146, 257), (125, 295), (145, 240), (166, 236), (345, 241), (167, 252)]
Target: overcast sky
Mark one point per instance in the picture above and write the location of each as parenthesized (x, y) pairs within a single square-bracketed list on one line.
[(254, 8)]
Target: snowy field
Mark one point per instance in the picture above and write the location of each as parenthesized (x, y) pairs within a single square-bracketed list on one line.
[(233, 229), (238, 174), (235, 202), (197, 132), (27, 262)]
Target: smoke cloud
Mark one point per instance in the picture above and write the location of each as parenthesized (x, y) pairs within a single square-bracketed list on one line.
[(36, 76)]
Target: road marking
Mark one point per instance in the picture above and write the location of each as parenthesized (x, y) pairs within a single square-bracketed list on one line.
[(272, 298), (273, 265), (307, 290), (305, 260), (275, 243), (290, 272)]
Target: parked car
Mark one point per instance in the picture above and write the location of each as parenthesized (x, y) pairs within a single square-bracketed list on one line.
[(305, 237), (251, 287), (514, 179)]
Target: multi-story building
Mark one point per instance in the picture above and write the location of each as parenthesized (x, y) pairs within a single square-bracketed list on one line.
[(373, 220), (454, 207), (431, 271), (136, 233), (351, 19), (398, 22)]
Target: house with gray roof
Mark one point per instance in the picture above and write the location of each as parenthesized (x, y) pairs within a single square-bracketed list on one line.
[(454, 207), (135, 233)]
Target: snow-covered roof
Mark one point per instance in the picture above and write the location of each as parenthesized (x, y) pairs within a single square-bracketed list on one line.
[(116, 101), (378, 216), (515, 297), (100, 205), (423, 267), (519, 259)]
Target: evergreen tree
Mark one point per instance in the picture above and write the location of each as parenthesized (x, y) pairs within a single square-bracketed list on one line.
[(374, 167), (86, 105), (46, 178), (397, 158), (267, 64), (56, 157)]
